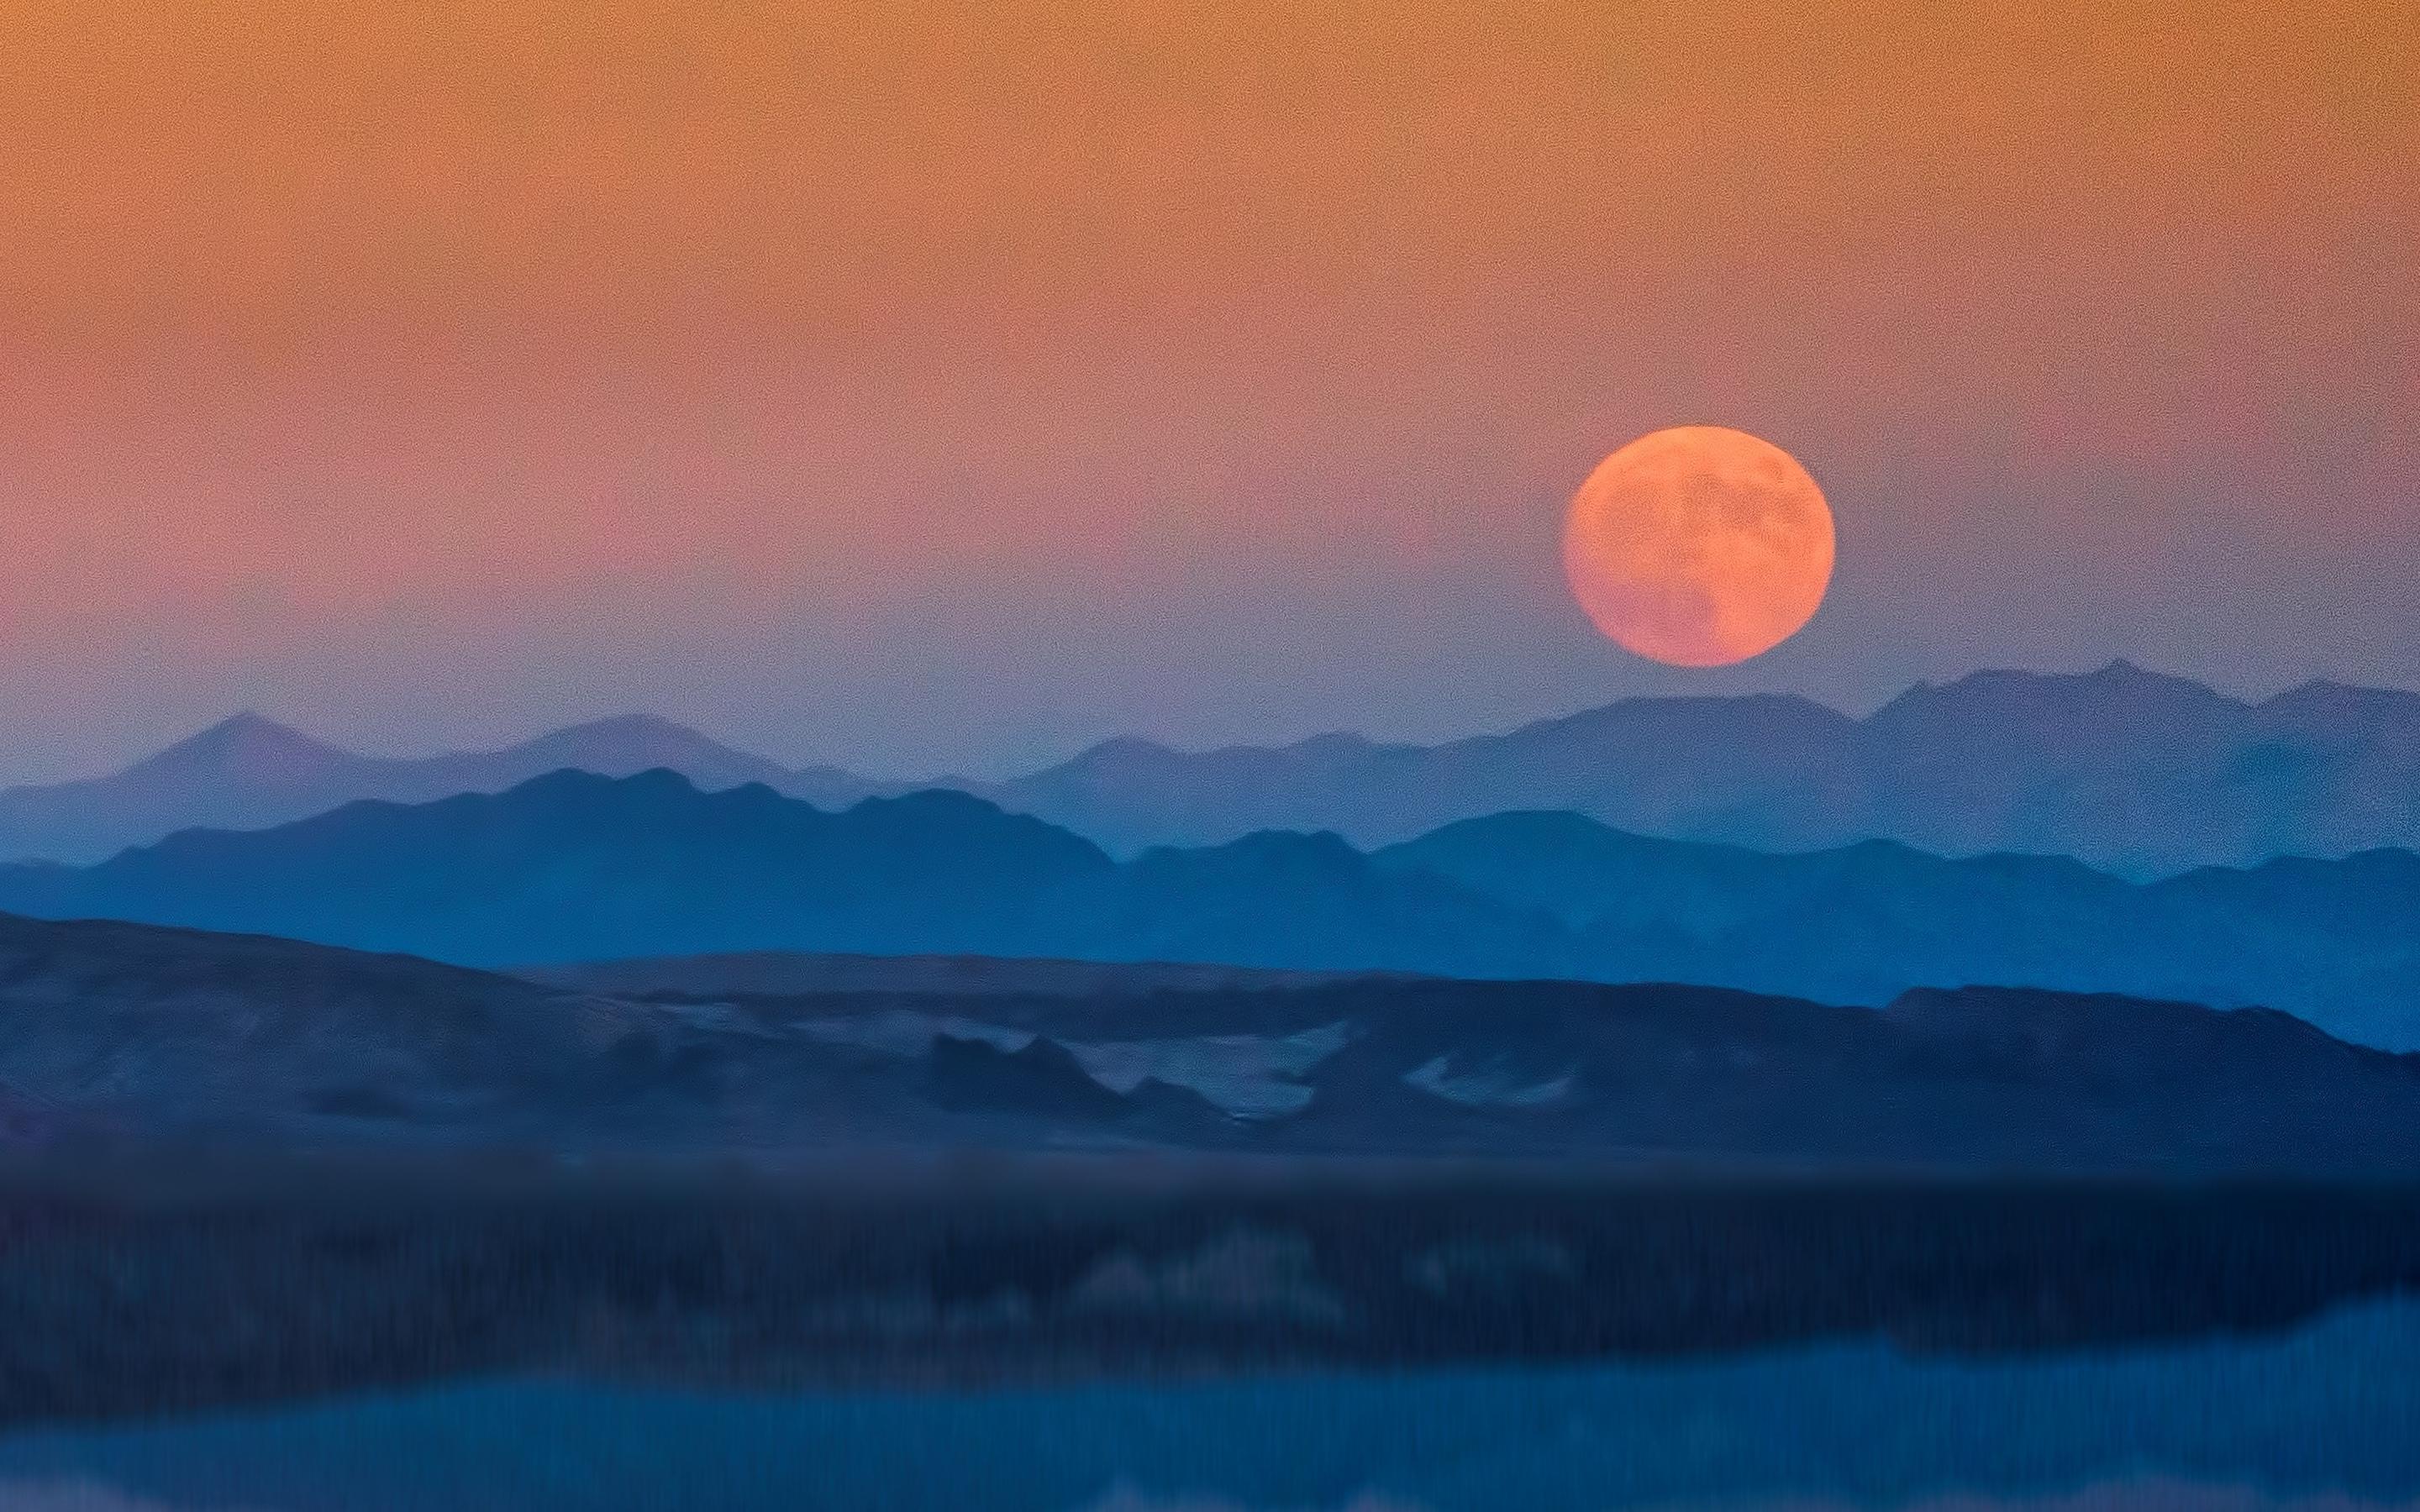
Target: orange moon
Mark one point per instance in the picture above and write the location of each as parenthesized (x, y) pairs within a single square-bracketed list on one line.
[(1699, 546)]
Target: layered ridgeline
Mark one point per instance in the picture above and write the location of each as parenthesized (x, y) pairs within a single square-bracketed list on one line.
[(2128, 770), (249, 773), (577, 867), (121, 1034), (2131, 771)]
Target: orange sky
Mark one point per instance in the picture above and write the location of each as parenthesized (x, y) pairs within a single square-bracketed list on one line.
[(927, 386)]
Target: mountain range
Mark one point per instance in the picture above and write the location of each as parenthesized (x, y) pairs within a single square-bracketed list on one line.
[(120, 1032), (2128, 770), (803, 973), (576, 867), (249, 773)]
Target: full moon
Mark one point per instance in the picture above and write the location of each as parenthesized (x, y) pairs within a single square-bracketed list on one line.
[(1699, 546)]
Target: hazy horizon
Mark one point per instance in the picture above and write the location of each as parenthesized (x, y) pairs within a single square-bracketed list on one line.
[(435, 746), (924, 392)]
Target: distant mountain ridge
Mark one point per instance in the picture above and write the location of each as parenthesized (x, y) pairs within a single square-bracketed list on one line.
[(2128, 770), (248, 772), (572, 867), (800, 973)]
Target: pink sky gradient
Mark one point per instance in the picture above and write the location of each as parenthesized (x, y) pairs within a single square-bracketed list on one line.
[(941, 392)]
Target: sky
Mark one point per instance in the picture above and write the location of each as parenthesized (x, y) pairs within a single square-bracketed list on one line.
[(935, 387)]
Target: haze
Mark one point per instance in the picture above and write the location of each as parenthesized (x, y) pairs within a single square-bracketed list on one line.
[(931, 390)]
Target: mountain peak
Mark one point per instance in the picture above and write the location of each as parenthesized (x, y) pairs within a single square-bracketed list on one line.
[(2343, 708), (581, 782), (1123, 751), (624, 745), (2121, 675), (1333, 744), (247, 744), (629, 726), (628, 731), (243, 725), (2000, 690)]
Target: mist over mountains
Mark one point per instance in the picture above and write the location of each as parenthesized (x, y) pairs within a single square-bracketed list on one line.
[(2128, 770), (249, 773), (573, 866)]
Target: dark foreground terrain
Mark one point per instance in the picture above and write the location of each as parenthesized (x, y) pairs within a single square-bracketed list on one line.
[(125, 1296), (136, 1039)]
